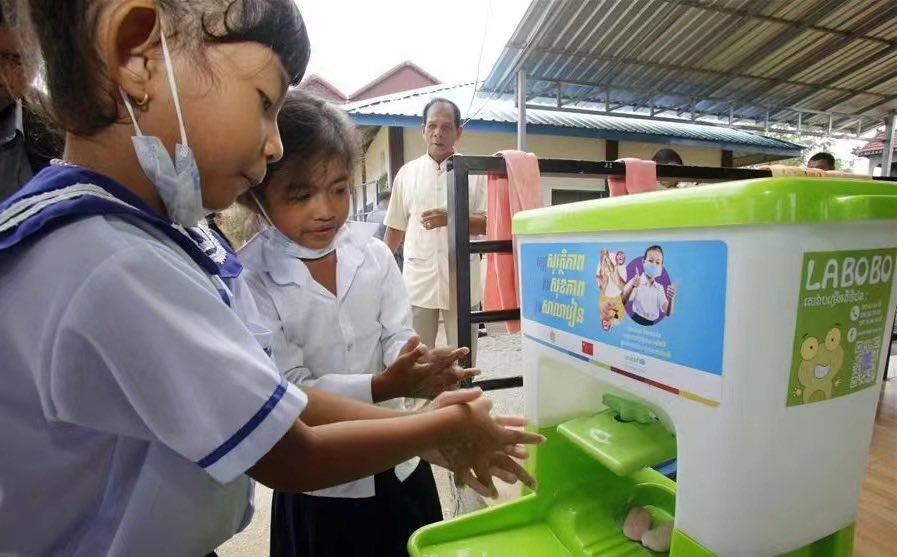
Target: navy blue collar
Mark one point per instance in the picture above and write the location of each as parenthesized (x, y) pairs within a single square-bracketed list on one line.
[(59, 195)]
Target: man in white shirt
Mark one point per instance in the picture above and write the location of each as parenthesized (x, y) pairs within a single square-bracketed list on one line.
[(417, 215)]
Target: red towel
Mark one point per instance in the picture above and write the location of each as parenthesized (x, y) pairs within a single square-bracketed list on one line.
[(519, 191), (641, 176)]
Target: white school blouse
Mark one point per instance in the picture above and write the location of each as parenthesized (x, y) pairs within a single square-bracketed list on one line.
[(133, 398), (334, 342)]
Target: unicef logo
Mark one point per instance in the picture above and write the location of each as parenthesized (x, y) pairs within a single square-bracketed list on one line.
[(635, 360)]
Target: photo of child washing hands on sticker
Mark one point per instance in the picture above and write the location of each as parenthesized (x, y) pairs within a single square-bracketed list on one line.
[(650, 299), (611, 278)]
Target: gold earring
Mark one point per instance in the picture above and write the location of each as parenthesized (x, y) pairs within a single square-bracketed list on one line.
[(144, 100)]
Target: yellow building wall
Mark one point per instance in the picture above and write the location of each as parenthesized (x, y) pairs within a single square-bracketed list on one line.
[(544, 146), (376, 157), (691, 156), (560, 147)]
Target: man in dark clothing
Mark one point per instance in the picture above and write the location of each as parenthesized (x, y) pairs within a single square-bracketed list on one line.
[(27, 141), (378, 215)]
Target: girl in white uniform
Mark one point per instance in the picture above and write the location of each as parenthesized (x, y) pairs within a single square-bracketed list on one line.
[(137, 397), (334, 298)]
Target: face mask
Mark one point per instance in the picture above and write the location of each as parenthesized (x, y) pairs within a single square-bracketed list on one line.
[(653, 270), (177, 182), (283, 244)]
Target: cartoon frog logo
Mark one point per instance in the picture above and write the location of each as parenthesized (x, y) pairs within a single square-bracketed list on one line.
[(820, 365)]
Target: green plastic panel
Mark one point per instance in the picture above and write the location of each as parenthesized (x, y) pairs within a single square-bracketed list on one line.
[(623, 447), (749, 202)]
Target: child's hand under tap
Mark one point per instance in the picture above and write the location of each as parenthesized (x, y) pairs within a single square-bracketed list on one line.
[(487, 448)]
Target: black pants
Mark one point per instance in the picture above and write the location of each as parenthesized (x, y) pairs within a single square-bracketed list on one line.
[(379, 526)]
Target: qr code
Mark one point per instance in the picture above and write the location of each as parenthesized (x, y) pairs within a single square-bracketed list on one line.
[(863, 368)]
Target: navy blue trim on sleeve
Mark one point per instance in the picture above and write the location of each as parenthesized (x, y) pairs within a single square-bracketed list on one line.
[(247, 428)]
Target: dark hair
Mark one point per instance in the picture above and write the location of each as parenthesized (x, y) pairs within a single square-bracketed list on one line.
[(440, 100), (83, 99), (667, 156), (653, 248), (384, 195), (312, 131), (823, 156)]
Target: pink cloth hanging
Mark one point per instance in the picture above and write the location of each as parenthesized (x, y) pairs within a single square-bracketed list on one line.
[(520, 190), (641, 176)]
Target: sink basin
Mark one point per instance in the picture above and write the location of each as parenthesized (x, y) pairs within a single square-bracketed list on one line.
[(578, 511)]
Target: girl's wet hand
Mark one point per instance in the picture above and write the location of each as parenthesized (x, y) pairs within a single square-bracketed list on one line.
[(438, 372), (472, 454)]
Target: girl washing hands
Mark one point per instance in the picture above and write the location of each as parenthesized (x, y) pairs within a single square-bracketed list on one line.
[(137, 400), (334, 297)]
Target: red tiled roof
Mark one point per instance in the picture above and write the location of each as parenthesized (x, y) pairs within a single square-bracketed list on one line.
[(425, 76), (320, 86), (876, 146)]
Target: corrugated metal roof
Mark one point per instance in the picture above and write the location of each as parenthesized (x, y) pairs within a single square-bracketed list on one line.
[(405, 109), (824, 57)]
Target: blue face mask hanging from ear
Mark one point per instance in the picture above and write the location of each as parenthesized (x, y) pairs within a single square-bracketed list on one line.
[(177, 182)]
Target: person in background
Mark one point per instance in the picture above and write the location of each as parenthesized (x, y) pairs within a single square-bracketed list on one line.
[(822, 161), (417, 216), (27, 141), (378, 215), (667, 156)]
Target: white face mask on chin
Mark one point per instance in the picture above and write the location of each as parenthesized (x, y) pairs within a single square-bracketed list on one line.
[(287, 246)]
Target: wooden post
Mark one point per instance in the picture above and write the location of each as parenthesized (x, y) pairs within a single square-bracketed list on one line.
[(726, 159)]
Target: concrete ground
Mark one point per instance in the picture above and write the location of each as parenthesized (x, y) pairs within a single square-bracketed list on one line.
[(498, 356)]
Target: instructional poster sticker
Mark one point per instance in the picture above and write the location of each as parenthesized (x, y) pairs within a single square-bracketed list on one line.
[(841, 323), (653, 311)]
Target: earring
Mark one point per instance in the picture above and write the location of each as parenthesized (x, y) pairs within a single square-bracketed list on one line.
[(144, 100)]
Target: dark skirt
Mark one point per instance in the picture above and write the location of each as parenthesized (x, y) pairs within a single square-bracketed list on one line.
[(379, 526)]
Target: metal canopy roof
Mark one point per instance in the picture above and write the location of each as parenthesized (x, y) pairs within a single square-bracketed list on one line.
[(806, 66), (498, 114)]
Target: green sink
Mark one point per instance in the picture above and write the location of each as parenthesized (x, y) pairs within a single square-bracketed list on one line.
[(578, 512)]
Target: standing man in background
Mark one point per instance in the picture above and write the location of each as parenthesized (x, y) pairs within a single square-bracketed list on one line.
[(417, 215), (27, 143)]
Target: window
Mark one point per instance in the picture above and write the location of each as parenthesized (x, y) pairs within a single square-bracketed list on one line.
[(560, 197)]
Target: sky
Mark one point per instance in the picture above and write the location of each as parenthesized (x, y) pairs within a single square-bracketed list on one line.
[(354, 41)]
